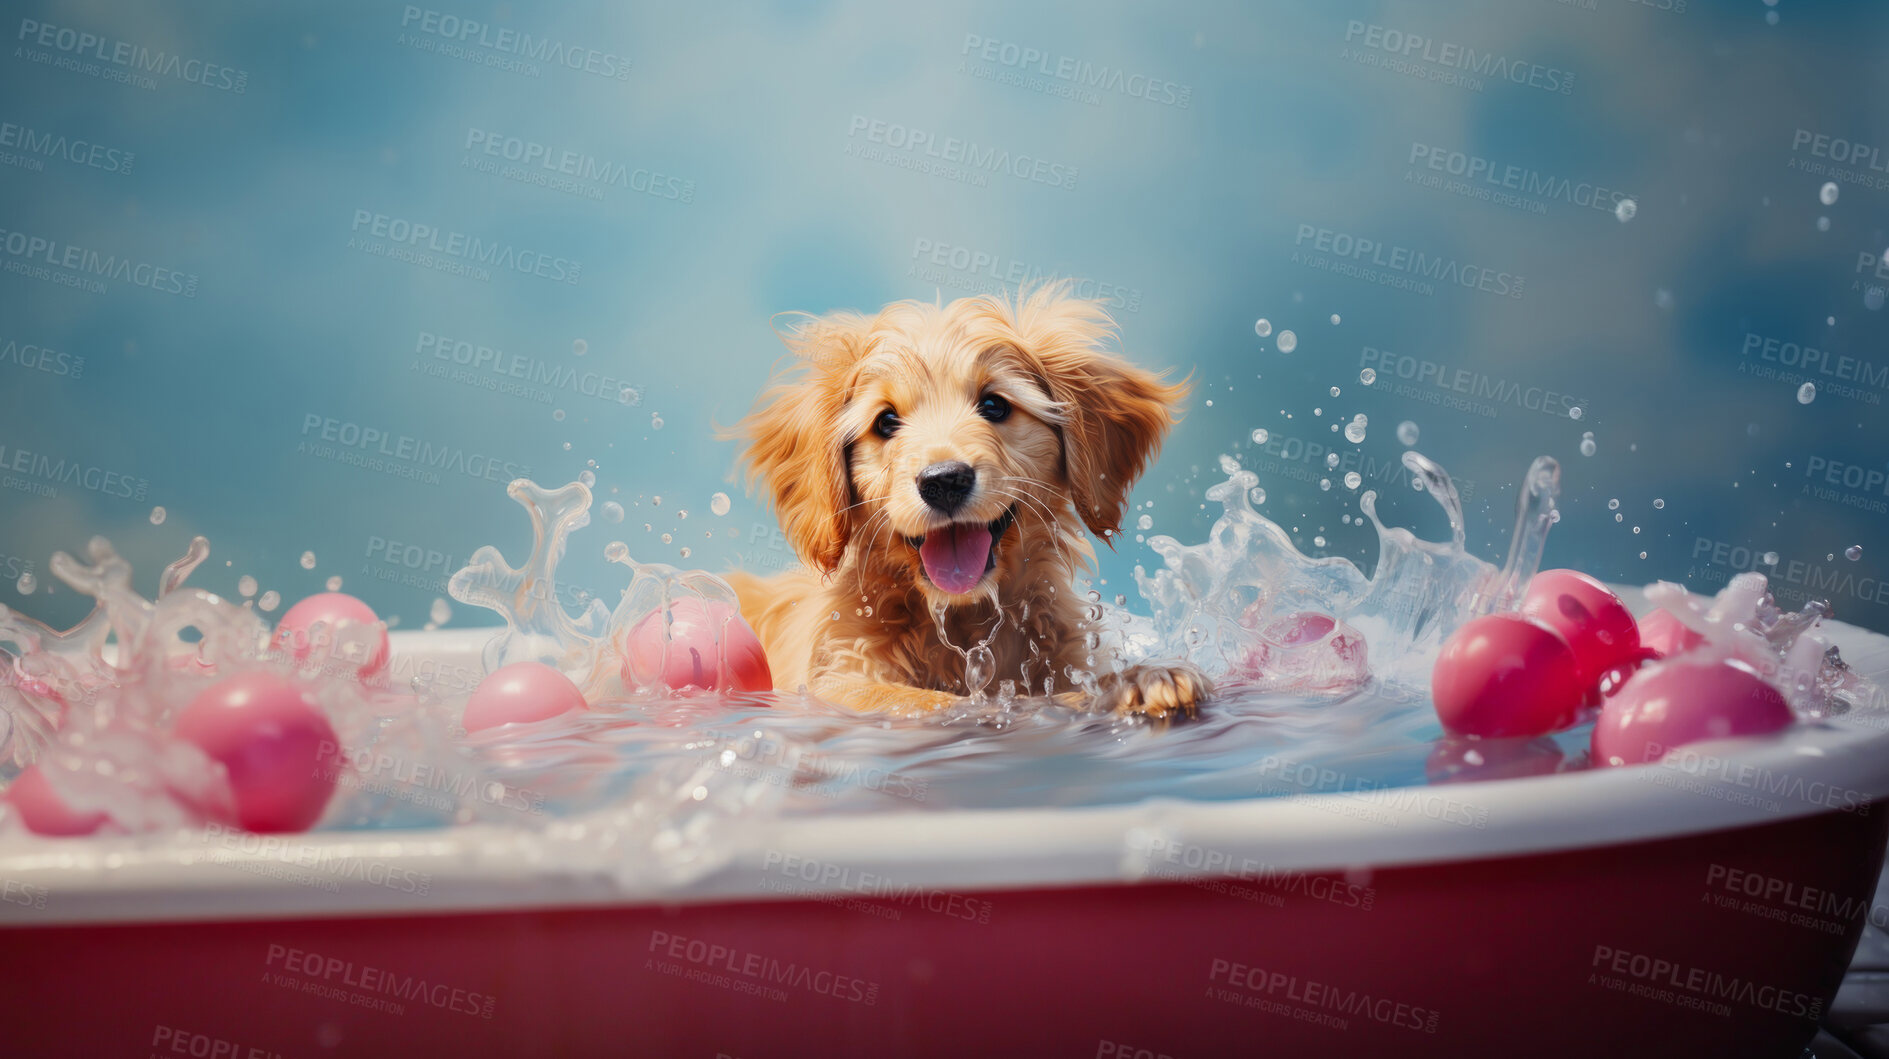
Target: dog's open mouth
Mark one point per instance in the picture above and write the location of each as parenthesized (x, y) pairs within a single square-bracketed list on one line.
[(956, 557)]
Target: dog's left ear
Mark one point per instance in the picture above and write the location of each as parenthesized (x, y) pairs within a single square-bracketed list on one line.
[(1116, 414), (793, 444)]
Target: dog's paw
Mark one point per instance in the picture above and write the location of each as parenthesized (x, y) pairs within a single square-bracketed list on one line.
[(1161, 692)]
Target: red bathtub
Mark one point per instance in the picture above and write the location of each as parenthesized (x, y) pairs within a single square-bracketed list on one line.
[(1704, 906)]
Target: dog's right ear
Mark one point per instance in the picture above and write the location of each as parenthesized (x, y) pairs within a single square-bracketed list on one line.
[(794, 444)]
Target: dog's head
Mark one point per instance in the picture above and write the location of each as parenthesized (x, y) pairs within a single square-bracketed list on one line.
[(941, 434)]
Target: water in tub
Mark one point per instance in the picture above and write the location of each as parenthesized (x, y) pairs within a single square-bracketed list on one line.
[(1322, 675)]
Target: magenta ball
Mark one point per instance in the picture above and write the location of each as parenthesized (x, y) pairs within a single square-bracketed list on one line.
[(43, 811), (1597, 626), (693, 660), (1675, 703), (1664, 635), (519, 694), (278, 747), (1505, 675), (332, 608)]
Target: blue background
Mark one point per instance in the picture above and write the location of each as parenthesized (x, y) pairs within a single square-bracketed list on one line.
[(1297, 118)]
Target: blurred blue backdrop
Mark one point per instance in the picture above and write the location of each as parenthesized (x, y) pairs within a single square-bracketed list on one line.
[(320, 278)]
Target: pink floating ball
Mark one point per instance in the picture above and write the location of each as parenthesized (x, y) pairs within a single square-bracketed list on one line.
[(1597, 626), (519, 694), (710, 648), (1675, 703), (1506, 675), (43, 811), (277, 745), (1665, 635), (292, 633)]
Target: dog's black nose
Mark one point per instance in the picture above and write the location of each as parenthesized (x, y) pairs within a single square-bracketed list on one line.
[(945, 485)]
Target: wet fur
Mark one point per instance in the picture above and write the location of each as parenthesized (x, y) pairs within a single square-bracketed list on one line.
[(1084, 424)]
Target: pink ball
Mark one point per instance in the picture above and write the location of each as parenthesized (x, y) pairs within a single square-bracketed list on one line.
[(1597, 626), (692, 659), (332, 608), (279, 749), (1505, 675), (43, 811), (519, 694), (1664, 635), (1675, 703)]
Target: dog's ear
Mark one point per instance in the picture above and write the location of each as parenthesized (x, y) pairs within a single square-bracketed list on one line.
[(1115, 414), (793, 444)]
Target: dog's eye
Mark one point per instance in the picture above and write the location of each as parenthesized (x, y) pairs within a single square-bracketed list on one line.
[(887, 424), (994, 408)]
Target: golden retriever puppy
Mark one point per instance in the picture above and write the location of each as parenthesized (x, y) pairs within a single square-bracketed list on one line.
[(934, 467)]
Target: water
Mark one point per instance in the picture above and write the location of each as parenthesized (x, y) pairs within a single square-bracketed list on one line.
[(1316, 664)]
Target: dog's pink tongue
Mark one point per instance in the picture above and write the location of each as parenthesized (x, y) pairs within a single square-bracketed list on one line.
[(954, 557)]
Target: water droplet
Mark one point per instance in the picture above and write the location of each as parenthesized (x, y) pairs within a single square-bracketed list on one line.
[(1318, 542), (612, 511), (308, 560), (246, 585), (1262, 327), (656, 500), (1325, 484), (1823, 224), (1853, 552), (589, 478), (1335, 319), (1620, 518), (1228, 465), (1614, 504), (158, 515), (1144, 523), (1642, 555), (1625, 209), (685, 553), (835, 616), (441, 612), (270, 601), (719, 504), (1258, 495), (1407, 432), (1287, 341), (1334, 391), (567, 446), (668, 538), (1367, 376), (334, 583), (580, 347), (1807, 393), (655, 421), (26, 584), (1331, 460), (1636, 529), (630, 396), (1587, 445), (682, 512), (1769, 558), (1828, 194), (1354, 430), (1353, 479), (557, 415), (1261, 435), (1318, 411), (1658, 504)]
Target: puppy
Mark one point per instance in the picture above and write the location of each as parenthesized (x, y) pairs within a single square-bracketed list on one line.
[(934, 467)]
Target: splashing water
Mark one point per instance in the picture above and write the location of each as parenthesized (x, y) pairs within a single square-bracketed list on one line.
[(1216, 603)]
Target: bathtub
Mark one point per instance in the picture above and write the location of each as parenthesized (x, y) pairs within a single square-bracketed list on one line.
[(1704, 906)]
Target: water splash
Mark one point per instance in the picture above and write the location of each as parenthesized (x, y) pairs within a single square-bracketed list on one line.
[(591, 647), (1235, 604), (1744, 622)]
